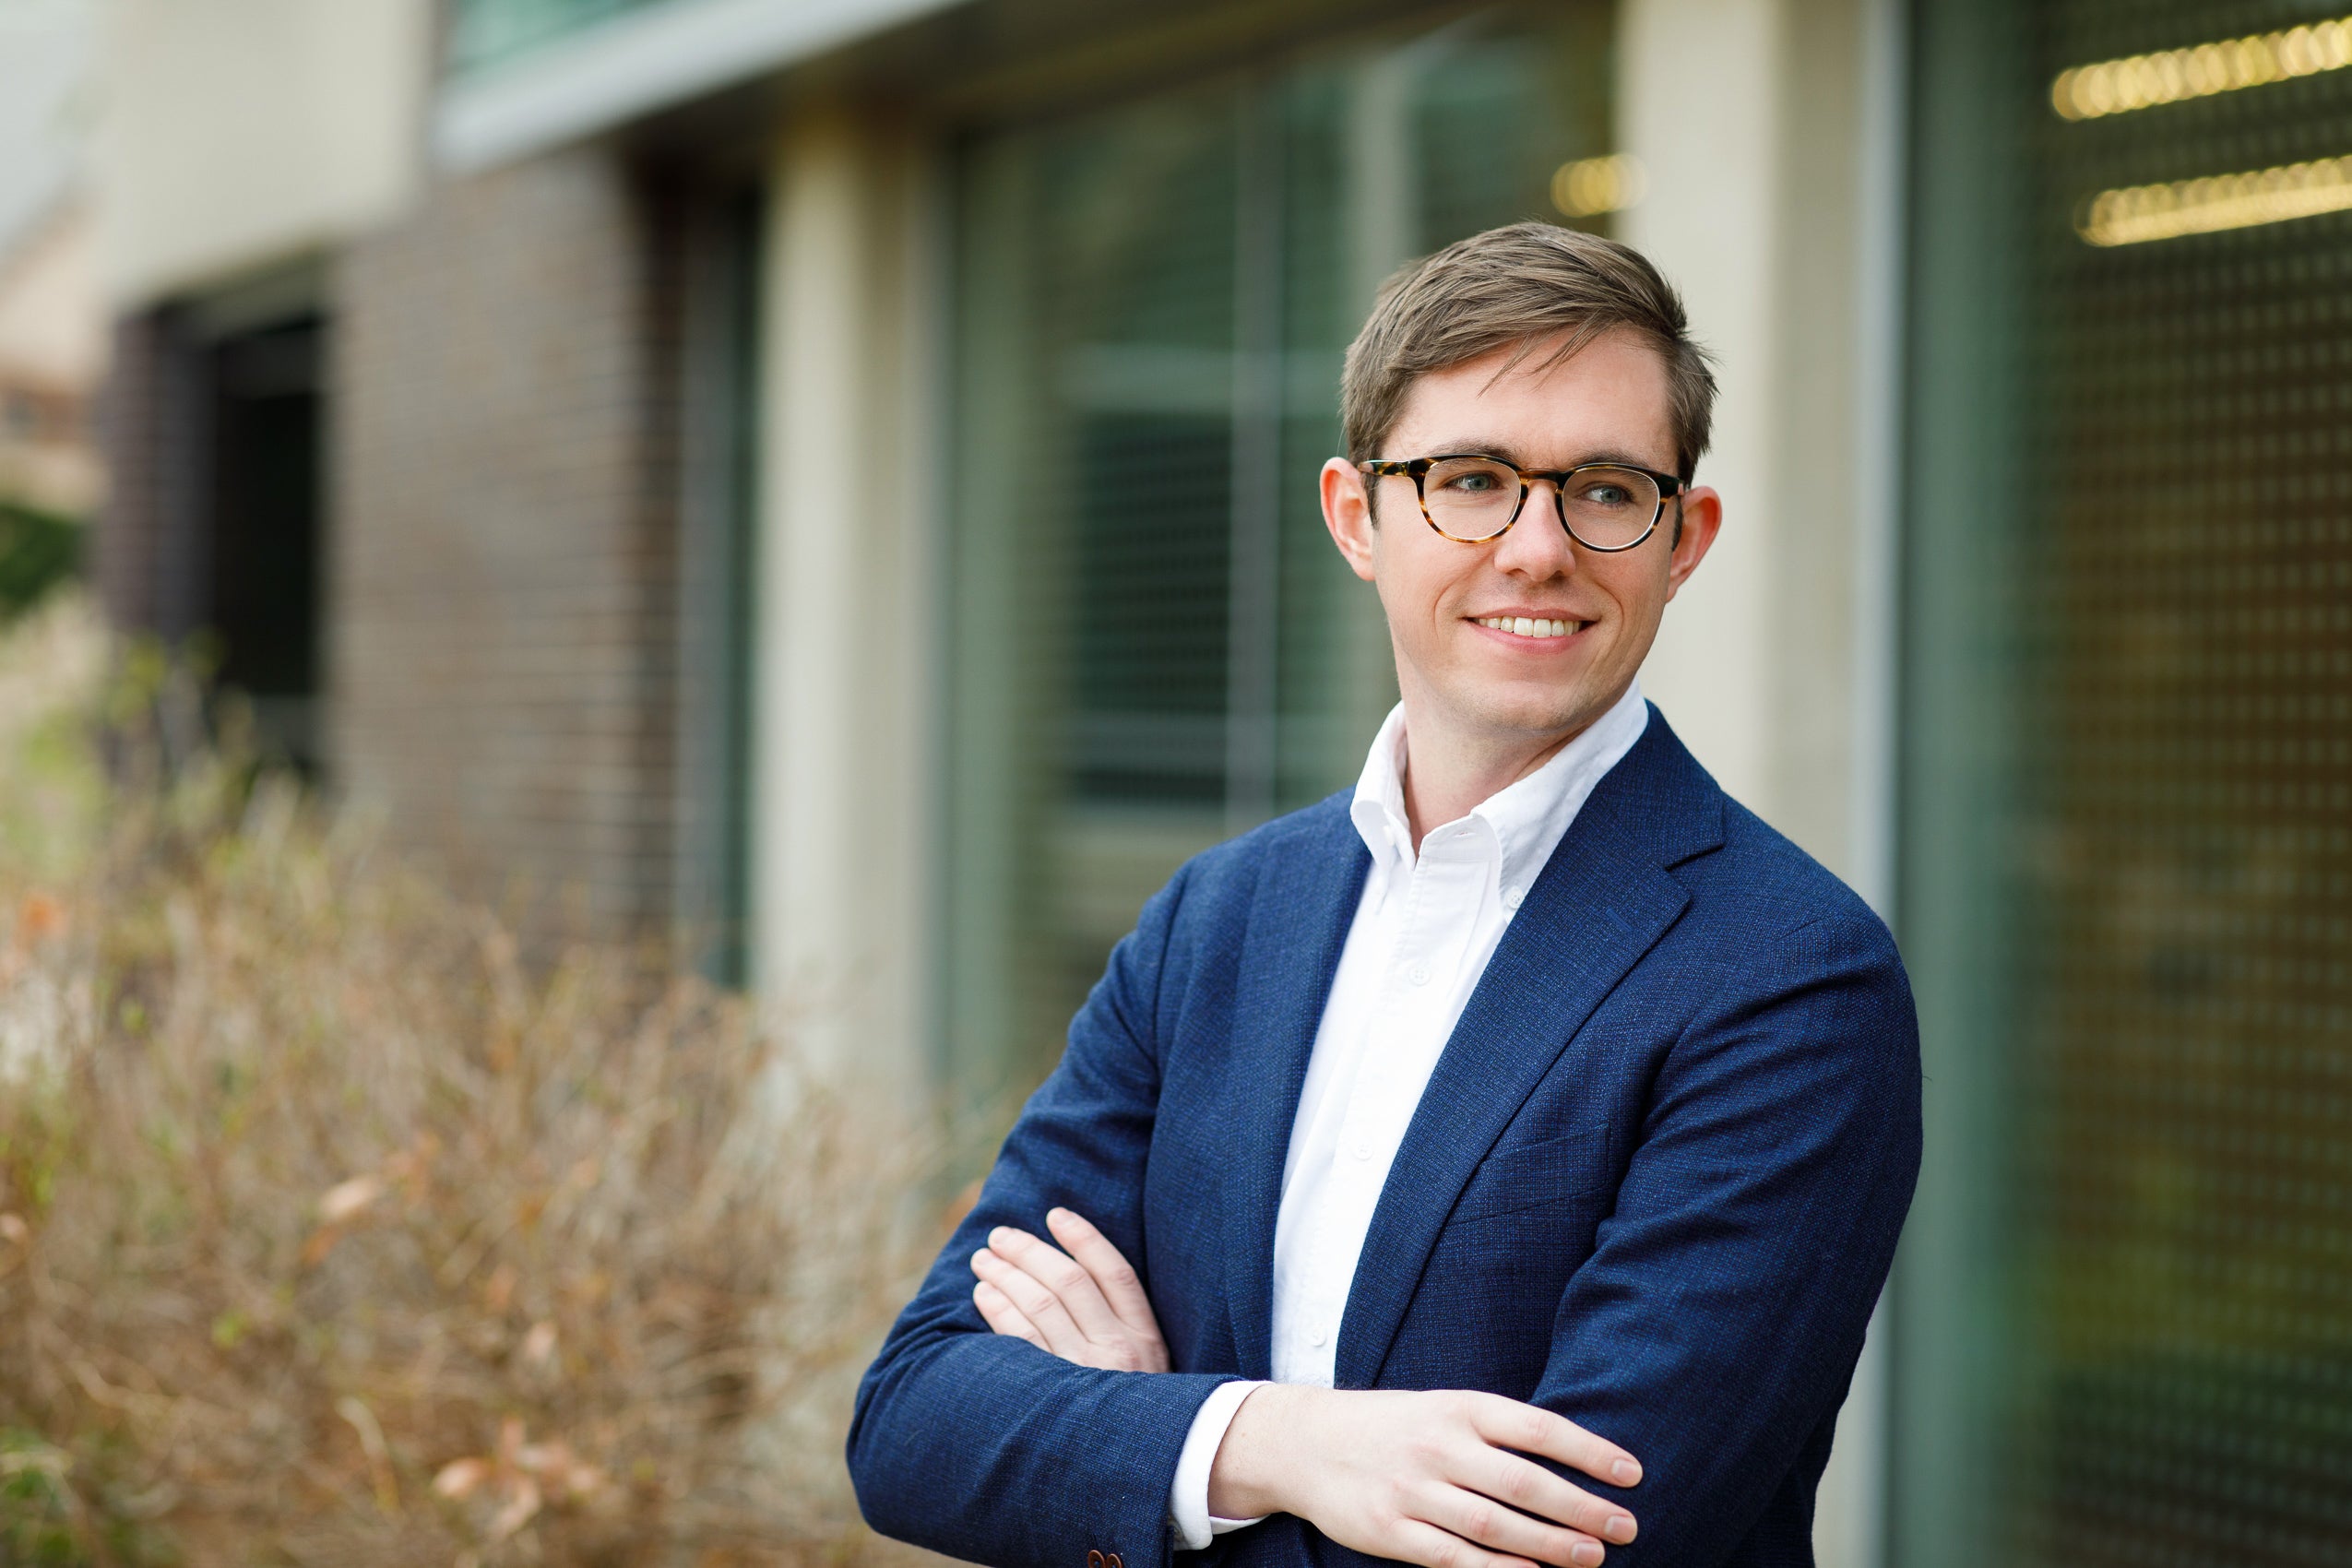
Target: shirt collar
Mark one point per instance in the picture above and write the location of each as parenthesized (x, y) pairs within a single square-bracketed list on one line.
[(1519, 826)]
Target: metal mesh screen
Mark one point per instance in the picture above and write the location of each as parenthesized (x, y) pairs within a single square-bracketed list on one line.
[(2164, 1076)]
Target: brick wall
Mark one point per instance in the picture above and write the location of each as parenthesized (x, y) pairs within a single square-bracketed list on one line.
[(502, 571), (144, 550)]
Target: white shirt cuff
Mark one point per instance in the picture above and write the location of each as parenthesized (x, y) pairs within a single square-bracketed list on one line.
[(1188, 1496)]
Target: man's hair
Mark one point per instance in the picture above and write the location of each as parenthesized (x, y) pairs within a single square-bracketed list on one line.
[(1529, 284)]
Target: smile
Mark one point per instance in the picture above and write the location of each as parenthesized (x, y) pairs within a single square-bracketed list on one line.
[(1525, 626)]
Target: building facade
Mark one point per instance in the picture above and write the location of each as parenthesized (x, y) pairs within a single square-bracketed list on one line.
[(831, 484)]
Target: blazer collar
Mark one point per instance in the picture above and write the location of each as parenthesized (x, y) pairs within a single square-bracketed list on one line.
[(1603, 900)]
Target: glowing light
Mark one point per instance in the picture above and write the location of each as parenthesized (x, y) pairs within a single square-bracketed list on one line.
[(2137, 214), (2171, 75), (1590, 186)]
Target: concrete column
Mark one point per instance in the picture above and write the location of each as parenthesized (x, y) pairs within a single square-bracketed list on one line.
[(845, 603), (1699, 86), (1768, 129)]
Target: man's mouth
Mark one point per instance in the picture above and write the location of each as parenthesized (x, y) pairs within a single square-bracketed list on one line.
[(1531, 625)]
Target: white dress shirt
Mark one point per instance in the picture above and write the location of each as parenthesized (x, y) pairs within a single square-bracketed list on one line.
[(1423, 932)]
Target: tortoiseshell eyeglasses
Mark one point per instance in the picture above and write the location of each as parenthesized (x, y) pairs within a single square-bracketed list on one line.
[(1606, 507)]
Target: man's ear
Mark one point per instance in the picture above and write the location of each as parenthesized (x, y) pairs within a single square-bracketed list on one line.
[(1701, 519), (1347, 512)]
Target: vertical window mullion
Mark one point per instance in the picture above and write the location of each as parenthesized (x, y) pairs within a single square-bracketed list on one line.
[(1253, 594)]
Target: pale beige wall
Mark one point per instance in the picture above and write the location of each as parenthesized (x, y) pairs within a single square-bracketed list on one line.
[(52, 341), (1699, 106), (234, 133), (1748, 116), (53, 322), (843, 772)]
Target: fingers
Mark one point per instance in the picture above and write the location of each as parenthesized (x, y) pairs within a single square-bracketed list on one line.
[(1531, 1430), (1526, 1486), (1484, 1522), (996, 1309), (1043, 1309), (1071, 1283), (1113, 1274), (1433, 1548)]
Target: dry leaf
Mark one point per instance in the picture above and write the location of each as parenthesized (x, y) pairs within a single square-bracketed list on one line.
[(40, 916), (345, 1199), (522, 1503), (461, 1478), (498, 1291)]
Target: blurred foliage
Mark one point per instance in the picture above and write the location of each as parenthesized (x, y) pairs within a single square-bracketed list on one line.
[(38, 551), (334, 1231)]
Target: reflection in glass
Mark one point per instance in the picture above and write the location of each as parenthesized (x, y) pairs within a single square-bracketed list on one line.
[(1154, 644)]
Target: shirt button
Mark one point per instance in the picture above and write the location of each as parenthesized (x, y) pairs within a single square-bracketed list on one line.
[(1418, 974), (1363, 1151), (1318, 1338), (1513, 897)]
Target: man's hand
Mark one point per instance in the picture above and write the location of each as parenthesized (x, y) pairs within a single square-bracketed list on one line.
[(1429, 1478), (1083, 1303)]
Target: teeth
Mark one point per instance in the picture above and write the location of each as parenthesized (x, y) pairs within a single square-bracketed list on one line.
[(1523, 627)]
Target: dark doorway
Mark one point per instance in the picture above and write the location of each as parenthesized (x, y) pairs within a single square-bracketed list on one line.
[(262, 567)]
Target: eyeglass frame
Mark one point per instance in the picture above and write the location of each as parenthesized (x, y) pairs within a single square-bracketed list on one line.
[(1417, 470)]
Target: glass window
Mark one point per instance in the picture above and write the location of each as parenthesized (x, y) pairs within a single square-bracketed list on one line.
[(2122, 1316), (489, 32), (1154, 644)]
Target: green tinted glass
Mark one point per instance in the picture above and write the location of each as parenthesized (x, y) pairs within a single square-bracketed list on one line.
[(489, 32), (1154, 644)]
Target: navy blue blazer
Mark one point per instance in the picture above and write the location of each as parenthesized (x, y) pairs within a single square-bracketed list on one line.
[(1654, 1184)]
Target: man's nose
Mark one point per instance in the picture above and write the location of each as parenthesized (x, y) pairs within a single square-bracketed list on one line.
[(1537, 547)]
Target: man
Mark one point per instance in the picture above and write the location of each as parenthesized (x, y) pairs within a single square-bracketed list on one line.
[(1495, 1165)]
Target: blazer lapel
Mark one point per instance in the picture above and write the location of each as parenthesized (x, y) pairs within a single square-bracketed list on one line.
[(1602, 901), (1306, 901)]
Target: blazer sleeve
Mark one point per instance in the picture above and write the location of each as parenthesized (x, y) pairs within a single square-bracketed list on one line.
[(985, 1447), (1714, 1328)]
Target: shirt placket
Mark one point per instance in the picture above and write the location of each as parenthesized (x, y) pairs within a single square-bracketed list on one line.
[(1440, 903)]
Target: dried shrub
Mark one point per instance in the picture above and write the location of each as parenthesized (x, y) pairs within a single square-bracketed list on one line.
[(331, 1231)]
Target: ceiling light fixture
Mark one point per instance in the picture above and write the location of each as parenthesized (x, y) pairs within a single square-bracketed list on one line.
[(2137, 214), (2171, 75)]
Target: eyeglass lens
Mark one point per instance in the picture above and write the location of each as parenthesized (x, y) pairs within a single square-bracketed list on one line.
[(1474, 498)]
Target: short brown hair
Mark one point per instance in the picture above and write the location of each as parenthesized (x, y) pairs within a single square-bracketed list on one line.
[(1524, 283)]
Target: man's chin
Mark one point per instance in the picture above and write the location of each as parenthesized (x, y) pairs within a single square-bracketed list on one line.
[(1546, 715)]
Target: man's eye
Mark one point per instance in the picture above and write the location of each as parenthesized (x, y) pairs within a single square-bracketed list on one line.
[(1474, 483), (1605, 495)]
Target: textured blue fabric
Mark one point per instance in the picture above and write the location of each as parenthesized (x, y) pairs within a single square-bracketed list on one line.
[(1654, 1184)]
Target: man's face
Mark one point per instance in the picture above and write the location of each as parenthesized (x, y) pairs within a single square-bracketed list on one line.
[(1607, 402)]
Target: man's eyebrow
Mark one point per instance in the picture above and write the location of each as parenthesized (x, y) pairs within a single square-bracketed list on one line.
[(1501, 454)]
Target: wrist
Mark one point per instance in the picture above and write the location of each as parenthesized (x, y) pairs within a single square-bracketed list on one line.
[(1252, 1472)]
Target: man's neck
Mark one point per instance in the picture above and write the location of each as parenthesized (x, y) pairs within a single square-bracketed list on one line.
[(1450, 768), (1449, 775)]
